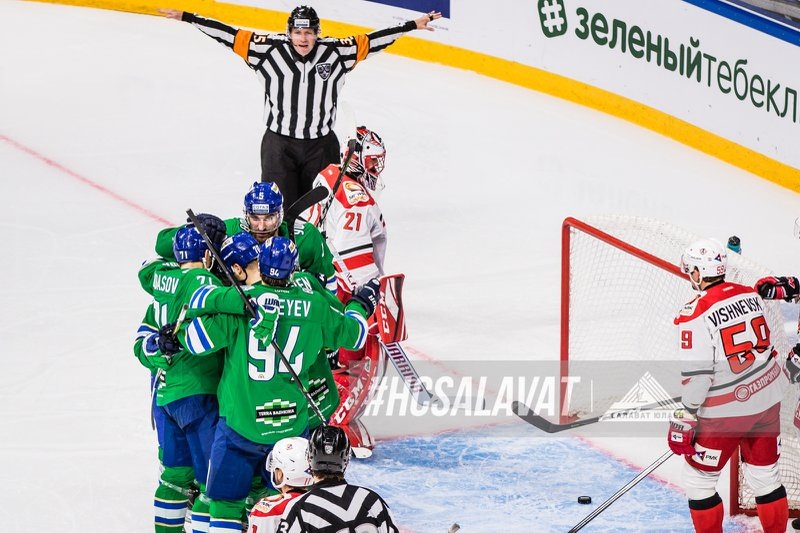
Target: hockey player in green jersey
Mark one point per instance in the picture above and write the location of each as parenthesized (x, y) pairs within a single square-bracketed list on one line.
[(186, 402), (259, 403), (263, 218)]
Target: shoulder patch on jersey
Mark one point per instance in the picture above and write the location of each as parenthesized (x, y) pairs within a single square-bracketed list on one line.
[(688, 310), (354, 192)]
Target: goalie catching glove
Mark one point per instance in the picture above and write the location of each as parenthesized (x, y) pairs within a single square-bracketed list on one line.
[(682, 426), (778, 288)]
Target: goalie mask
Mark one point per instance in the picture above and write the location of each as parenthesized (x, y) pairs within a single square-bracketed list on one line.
[(291, 456), (708, 256), (263, 210), (368, 159)]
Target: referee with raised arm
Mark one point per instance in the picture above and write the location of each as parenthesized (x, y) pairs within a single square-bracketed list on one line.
[(303, 76)]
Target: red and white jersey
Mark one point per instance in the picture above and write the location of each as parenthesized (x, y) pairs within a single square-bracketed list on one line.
[(728, 362), (354, 227), (267, 514)]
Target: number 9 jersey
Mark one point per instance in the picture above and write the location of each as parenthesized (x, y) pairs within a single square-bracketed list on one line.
[(728, 363)]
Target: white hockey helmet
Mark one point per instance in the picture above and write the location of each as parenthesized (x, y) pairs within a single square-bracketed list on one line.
[(291, 456), (368, 159), (708, 256)]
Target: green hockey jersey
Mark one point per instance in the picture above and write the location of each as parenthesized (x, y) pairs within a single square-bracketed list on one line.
[(172, 287), (314, 256), (256, 394)]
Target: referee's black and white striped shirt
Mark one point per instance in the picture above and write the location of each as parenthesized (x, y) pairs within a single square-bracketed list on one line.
[(300, 92), (335, 507)]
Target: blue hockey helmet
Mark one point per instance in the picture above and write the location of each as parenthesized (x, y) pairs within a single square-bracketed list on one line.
[(263, 210), (278, 258), (263, 198), (240, 249), (188, 245)]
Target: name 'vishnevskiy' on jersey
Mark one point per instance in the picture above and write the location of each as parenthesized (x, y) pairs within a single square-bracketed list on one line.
[(736, 309)]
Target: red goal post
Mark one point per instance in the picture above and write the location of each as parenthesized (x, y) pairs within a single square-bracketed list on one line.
[(620, 290)]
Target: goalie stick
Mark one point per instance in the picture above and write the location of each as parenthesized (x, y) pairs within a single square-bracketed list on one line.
[(249, 306), (391, 321), (351, 148), (527, 414)]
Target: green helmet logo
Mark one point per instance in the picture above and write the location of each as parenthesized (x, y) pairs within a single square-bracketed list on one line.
[(553, 17)]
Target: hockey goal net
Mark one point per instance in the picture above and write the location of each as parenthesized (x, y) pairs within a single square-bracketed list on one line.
[(620, 291)]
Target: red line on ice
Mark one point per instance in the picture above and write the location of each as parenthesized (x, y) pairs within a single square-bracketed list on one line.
[(86, 181)]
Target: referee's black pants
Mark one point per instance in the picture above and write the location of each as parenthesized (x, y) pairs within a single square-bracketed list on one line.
[(294, 163)]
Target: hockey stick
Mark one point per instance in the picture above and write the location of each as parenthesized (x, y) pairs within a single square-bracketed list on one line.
[(312, 197), (394, 351), (160, 372), (603, 506), (527, 414), (253, 312), (351, 148)]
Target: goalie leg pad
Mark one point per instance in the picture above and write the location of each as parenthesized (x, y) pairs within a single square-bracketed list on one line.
[(358, 384), (358, 435)]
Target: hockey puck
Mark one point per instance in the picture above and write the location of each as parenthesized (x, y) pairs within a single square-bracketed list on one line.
[(585, 499)]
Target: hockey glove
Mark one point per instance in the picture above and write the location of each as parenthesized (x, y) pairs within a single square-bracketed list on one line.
[(154, 359), (214, 227), (265, 324), (680, 438), (368, 295), (167, 341), (778, 288), (333, 358), (793, 364)]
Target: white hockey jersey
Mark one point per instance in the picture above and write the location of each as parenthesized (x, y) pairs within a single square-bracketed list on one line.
[(267, 513), (728, 363), (354, 227)]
